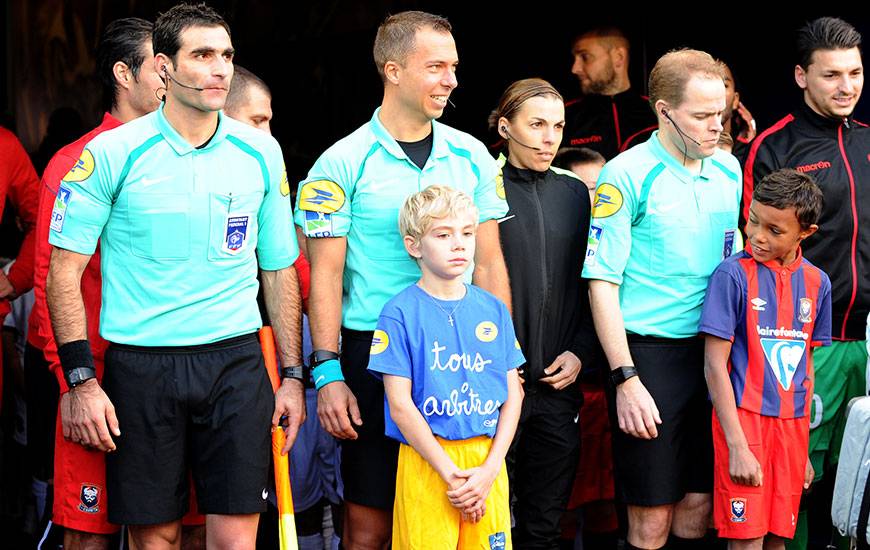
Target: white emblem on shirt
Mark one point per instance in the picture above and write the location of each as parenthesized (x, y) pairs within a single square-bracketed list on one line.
[(506, 218), (758, 304)]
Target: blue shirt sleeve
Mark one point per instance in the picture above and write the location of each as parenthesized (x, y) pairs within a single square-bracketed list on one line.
[(390, 352), (822, 326), (723, 305), (512, 353)]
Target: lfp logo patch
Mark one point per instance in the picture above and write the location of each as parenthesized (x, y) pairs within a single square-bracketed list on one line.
[(380, 342), (738, 510), (486, 331), (497, 540), (58, 213), (783, 356), (592, 243), (318, 224), (236, 235), (608, 201), (321, 196), (89, 499), (82, 169)]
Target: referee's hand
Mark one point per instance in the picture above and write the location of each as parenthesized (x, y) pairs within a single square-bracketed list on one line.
[(636, 410), (289, 404), (92, 417), (338, 410)]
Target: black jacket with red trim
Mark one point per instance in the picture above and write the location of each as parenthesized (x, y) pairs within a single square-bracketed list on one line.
[(835, 153), (608, 124)]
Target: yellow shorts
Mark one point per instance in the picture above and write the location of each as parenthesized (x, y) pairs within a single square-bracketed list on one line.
[(423, 518)]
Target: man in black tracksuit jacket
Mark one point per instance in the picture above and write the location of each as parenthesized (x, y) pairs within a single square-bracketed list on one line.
[(544, 238), (823, 140), (610, 117)]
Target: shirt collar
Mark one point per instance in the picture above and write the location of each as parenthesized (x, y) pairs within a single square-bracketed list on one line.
[(675, 165), (178, 143), (774, 265), (440, 147)]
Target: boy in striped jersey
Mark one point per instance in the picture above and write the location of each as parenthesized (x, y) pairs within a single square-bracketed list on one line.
[(765, 308)]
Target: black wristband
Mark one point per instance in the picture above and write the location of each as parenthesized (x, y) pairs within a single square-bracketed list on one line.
[(319, 356), (295, 372), (620, 374), (77, 362)]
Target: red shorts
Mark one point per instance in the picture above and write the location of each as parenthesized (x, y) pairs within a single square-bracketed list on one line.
[(780, 445), (80, 489), (594, 478)]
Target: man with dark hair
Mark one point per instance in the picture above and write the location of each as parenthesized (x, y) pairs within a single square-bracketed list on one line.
[(249, 100), (348, 209), (664, 216), (738, 123), (180, 199), (583, 161), (610, 117), (823, 140), (125, 67)]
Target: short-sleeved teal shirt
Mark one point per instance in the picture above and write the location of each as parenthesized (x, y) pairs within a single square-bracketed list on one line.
[(356, 188), (659, 231), (181, 228)]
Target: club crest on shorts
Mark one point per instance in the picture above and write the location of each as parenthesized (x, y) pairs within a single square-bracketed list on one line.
[(89, 499), (236, 235), (805, 312), (738, 510), (497, 540)]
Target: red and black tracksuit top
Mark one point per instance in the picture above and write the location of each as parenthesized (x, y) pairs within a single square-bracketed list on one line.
[(836, 153), (608, 124)]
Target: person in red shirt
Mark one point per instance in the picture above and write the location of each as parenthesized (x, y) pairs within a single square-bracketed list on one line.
[(125, 66)]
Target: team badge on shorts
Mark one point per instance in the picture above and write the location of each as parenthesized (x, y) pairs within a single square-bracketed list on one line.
[(89, 499), (497, 540), (805, 312), (738, 510), (236, 235)]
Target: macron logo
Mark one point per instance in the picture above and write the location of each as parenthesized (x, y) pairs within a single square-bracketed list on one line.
[(813, 167), (758, 304)]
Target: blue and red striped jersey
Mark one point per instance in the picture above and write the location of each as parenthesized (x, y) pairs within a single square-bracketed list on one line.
[(773, 314)]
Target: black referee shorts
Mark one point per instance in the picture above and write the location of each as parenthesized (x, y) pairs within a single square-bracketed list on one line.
[(205, 409), (680, 460), (368, 463)]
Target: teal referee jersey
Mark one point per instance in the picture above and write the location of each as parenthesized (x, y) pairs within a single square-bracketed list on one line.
[(658, 231), (355, 190), (182, 229)]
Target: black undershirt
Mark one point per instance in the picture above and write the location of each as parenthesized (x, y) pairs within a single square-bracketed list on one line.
[(418, 151)]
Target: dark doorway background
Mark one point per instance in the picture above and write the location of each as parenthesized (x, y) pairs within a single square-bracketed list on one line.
[(316, 55)]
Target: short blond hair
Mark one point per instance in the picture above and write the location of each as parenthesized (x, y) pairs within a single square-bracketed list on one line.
[(435, 202), (668, 79)]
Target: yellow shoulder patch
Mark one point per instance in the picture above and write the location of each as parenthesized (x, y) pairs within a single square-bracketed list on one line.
[(285, 183), (321, 196), (380, 342), (499, 186), (608, 201), (82, 169)]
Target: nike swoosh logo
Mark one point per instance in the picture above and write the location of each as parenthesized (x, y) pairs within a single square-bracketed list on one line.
[(576, 418), (506, 218), (319, 378), (147, 182), (265, 494)]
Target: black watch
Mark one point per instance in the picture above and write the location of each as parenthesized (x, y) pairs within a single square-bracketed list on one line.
[(78, 376), (319, 356), (621, 374), (295, 372)]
